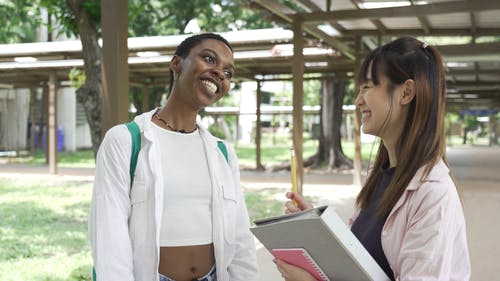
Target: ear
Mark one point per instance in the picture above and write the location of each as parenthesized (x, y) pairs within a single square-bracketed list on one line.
[(175, 64), (409, 91)]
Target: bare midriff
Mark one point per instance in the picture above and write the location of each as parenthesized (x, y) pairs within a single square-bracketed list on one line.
[(185, 263)]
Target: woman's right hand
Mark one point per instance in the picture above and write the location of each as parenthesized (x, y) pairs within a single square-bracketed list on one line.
[(292, 273), (296, 203)]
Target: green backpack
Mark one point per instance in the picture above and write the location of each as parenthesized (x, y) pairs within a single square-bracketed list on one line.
[(135, 133)]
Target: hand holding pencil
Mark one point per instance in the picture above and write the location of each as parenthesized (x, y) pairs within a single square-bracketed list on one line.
[(297, 203)]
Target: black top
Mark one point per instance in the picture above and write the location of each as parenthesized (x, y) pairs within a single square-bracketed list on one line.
[(368, 227)]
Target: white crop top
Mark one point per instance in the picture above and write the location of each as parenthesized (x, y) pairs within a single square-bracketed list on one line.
[(187, 194)]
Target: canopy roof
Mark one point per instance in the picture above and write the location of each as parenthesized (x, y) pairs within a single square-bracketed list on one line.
[(472, 68), (332, 28)]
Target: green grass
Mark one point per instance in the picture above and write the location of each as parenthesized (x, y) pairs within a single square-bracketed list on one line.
[(263, 203), (43, 230), (80, 158), (273, 153), (43, 227)]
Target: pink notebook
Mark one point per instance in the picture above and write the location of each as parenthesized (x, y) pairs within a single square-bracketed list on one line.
[(301, 258)]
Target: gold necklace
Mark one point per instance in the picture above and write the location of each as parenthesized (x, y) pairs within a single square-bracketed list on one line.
[(182, 131)]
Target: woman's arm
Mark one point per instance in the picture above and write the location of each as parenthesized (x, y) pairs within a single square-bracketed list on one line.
[(244, 264), (110, 208), (434, 246)]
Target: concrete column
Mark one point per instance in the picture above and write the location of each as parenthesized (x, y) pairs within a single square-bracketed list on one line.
[(247, 110), (14, 104), (66, 116)]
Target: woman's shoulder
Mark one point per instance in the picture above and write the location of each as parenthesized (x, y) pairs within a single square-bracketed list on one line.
[(117, 137), (117, 132), (438, 183)]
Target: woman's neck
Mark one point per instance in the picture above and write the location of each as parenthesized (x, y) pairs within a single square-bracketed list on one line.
[(391, 152), (178, 117)]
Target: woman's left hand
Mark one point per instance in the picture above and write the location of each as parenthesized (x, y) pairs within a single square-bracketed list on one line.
[(292, 273)]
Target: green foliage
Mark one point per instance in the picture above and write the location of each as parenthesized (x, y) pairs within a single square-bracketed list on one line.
[(18, 21), (312, 92), (350, 92), (65, 19), (470, 122), (217, 131), (293, 5), (157, 17), (76, 78)]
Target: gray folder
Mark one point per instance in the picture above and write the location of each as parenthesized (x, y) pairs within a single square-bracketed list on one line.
[(327, 239)]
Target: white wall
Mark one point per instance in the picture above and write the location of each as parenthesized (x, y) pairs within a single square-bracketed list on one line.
[(14, 108), (247, 104), (71, 118), (83, 136)]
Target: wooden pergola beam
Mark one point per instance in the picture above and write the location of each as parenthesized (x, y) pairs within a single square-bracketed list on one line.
[(288, 15), (378, 24), (474, 50), (398, 12), (351, 33), (423, 21)]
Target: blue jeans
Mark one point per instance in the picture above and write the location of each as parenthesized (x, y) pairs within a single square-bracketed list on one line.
[(210, 276)]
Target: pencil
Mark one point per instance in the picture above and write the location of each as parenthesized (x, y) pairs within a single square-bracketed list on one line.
[(293, 170)]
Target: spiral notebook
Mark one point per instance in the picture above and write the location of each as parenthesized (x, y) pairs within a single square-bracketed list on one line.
[(326, 238), (301, 258)]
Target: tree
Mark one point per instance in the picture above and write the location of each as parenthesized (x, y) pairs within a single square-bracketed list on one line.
[(330, 147), (82, 17)]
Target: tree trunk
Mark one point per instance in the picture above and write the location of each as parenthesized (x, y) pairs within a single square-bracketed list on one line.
[(330, 148), (90, 93)]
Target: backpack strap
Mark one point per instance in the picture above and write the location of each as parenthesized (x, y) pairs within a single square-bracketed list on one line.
[(135, 133), (223, 149)]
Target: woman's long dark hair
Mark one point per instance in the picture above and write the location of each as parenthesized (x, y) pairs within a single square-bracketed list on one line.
[(422, 142)]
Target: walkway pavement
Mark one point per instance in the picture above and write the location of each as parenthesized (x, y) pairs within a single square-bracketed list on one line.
[(477, 171)]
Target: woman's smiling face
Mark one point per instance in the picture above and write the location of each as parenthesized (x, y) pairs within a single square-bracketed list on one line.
[(204, 76), (381, 111)]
